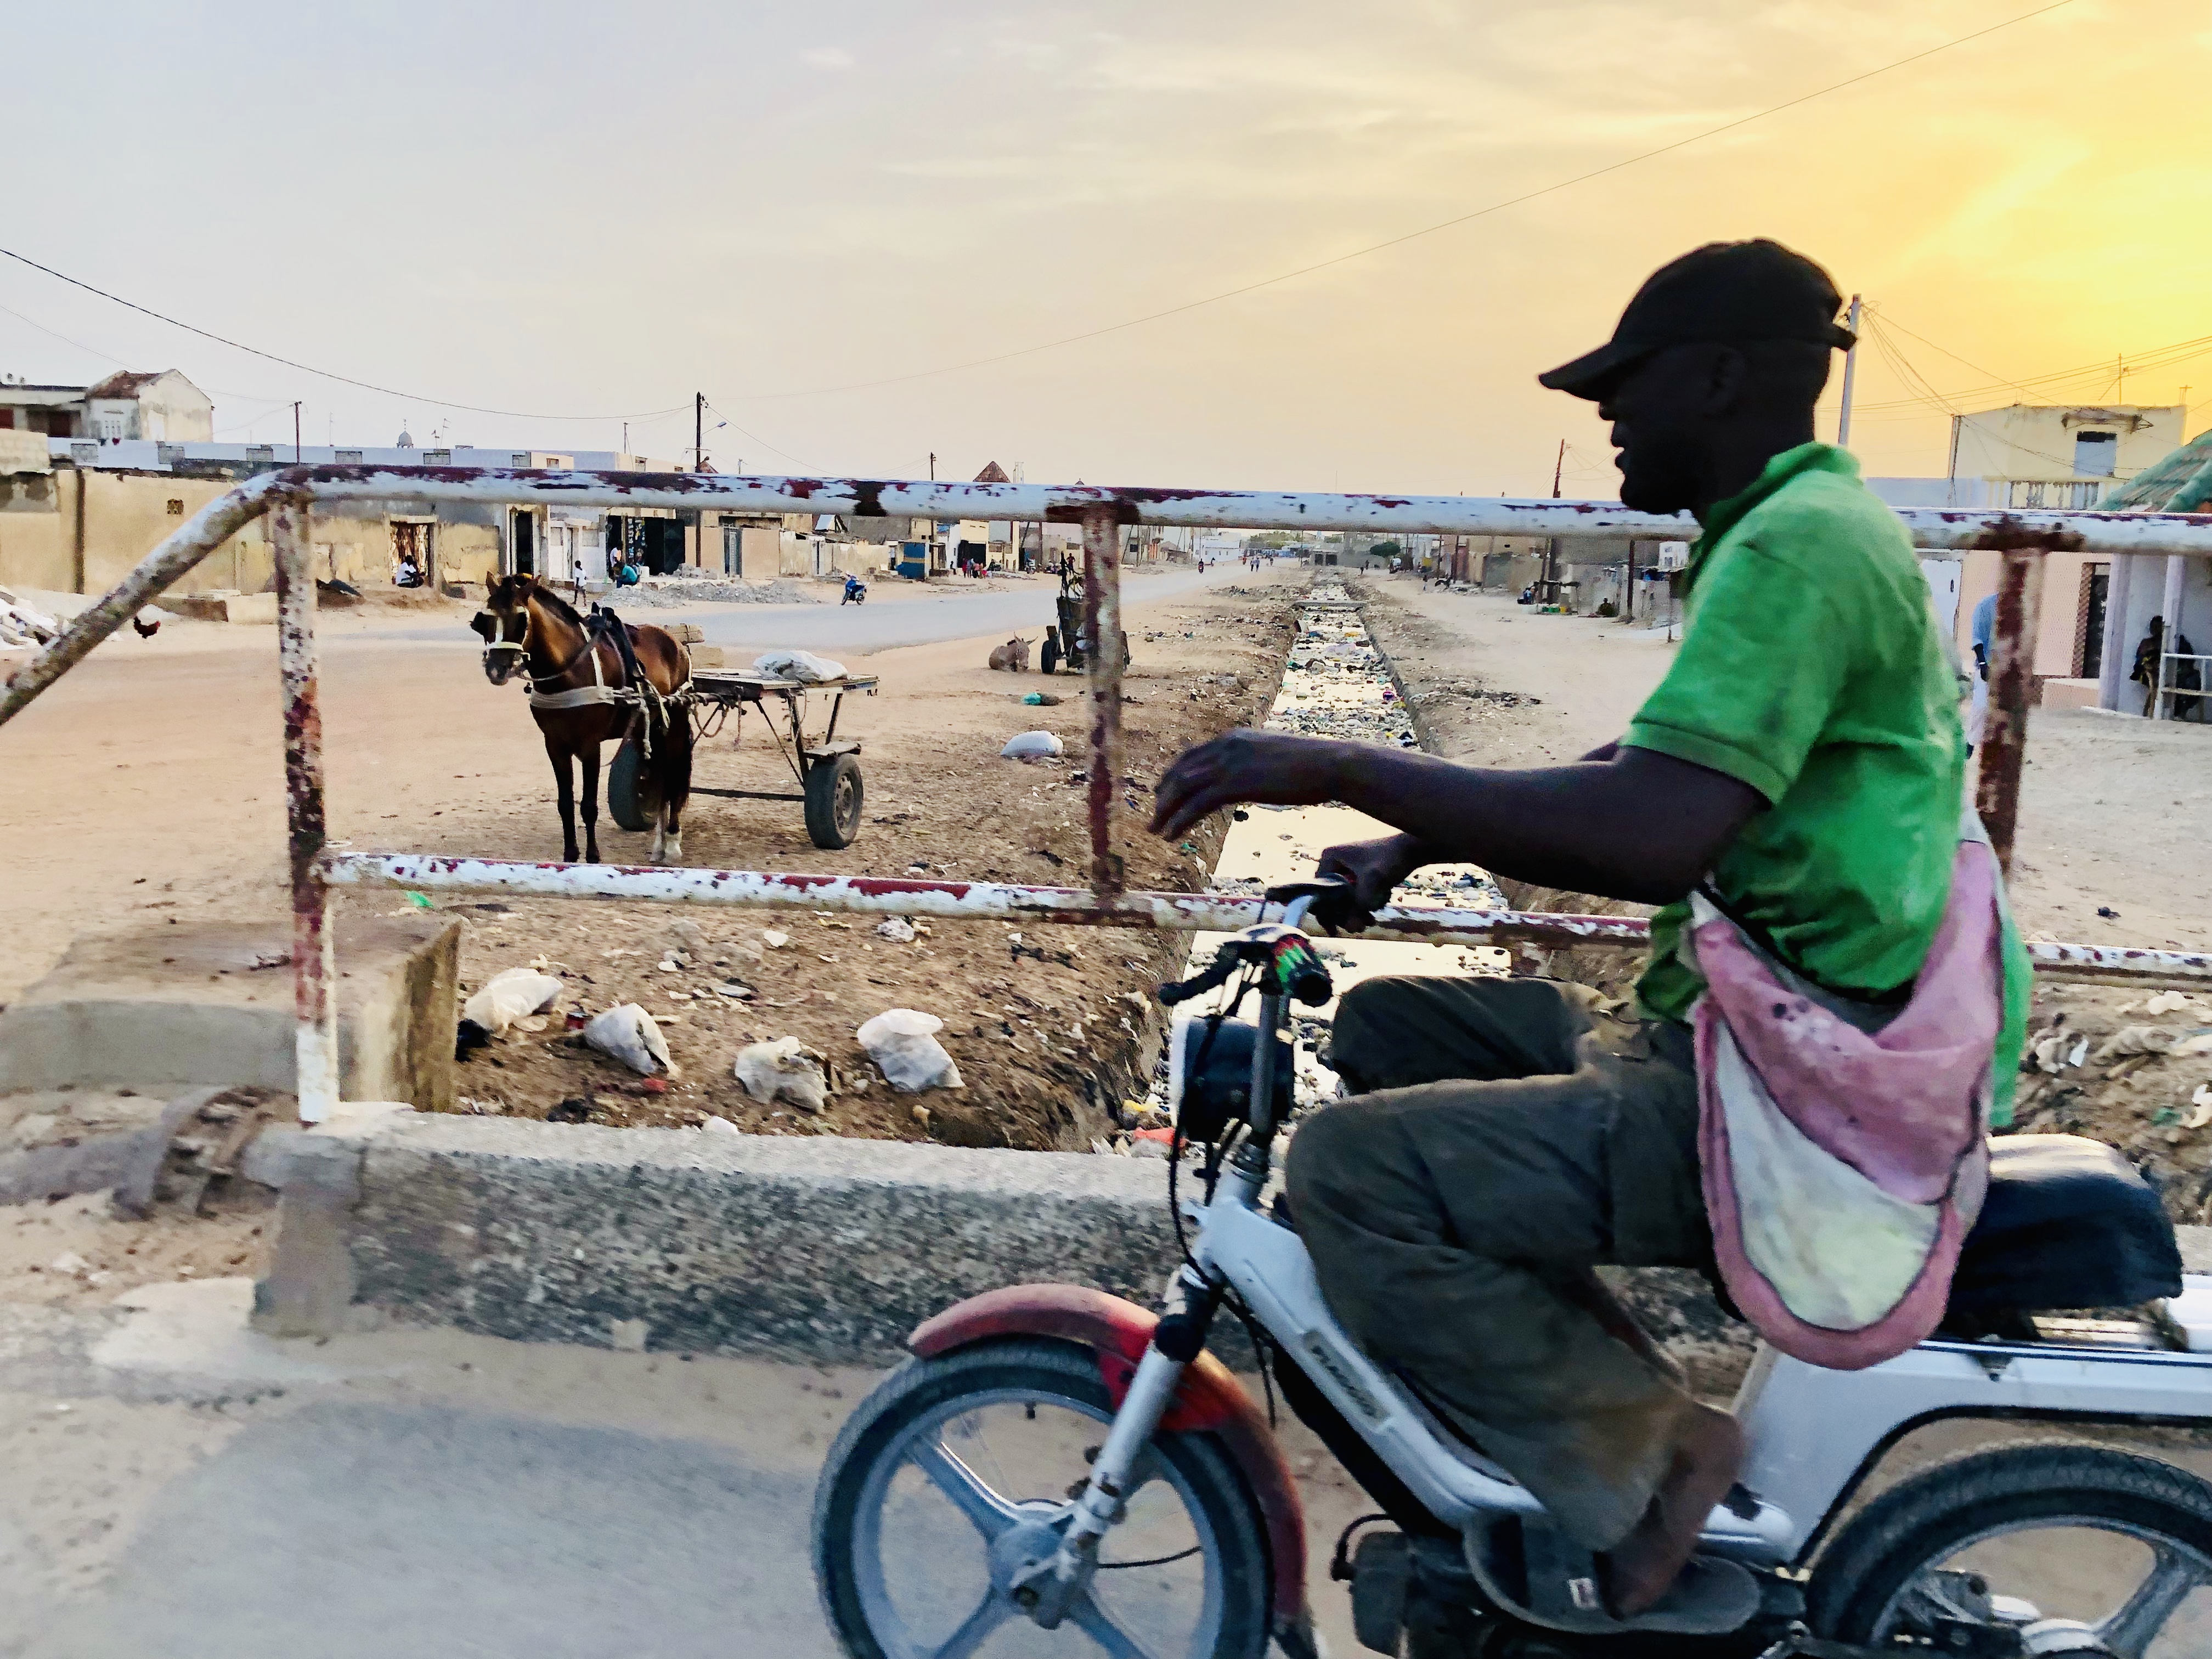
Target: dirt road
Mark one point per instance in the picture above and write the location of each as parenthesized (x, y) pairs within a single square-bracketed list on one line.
[(145, 785)]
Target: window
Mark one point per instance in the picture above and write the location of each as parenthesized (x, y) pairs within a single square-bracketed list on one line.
[(437, 457), (348, 457), (2096, 453), (519, 458), (260, 452), (111, 428), (176, 508)]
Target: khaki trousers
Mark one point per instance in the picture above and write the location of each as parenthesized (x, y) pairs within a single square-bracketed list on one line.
[(1508, 1137)]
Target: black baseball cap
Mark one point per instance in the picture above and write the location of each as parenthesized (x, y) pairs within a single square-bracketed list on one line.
[(1723, 291)]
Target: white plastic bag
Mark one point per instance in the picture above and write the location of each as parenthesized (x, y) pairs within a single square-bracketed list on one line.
[(508, 995), (899, 930), (785, 1069), (902, 1041), (797, 665), (632, 1037), (1030, 746)]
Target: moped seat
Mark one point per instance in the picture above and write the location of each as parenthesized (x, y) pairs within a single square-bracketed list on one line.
[(2069, 1223)]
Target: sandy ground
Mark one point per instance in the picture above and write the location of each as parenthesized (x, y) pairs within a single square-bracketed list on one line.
[(146, 786), (2111, 848)]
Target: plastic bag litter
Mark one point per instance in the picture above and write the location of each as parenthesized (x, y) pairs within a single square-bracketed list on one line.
[(720, 1125), (509, 995), (785, 1070), (899, 930), (802, 665), (773, 940), (631, 1035), (902, 1041), (2137, 1039), (1030, 746)]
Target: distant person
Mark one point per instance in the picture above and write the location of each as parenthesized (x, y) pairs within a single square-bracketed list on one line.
[(1983, 628)]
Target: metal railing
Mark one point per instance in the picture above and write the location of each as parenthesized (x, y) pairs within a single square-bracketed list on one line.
[(287, 498)]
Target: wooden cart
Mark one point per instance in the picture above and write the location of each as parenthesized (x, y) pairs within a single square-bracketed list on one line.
[(827, 769)]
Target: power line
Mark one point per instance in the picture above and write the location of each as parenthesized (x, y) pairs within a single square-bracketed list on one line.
[(308, 368), (1431, 230), (2165, 357)]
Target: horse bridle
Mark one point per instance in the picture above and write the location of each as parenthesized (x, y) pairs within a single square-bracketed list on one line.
[(501, 642)]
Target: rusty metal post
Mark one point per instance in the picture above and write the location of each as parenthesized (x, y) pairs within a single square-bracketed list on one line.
[(2161, 707), (312, 976), (1102, 628), (2012, 689)]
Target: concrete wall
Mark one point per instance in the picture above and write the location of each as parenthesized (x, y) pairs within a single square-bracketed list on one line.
[(2036, 442)]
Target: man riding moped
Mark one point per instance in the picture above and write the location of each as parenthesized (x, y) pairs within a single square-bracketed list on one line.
[(1801, 768)]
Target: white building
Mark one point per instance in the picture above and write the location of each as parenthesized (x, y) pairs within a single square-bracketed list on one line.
[(158, 407)]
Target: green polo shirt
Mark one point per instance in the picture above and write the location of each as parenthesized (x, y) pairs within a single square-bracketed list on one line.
[(1811, 669)]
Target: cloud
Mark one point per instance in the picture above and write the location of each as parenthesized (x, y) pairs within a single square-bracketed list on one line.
[(827, 58)]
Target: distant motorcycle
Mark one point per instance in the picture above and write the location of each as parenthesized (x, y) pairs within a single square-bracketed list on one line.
[(856, 592)]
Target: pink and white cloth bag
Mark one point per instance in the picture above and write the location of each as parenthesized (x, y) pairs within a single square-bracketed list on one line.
[(1843, 1169)]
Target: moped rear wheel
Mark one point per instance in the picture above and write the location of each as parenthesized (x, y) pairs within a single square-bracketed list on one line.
[(2057, 1533), (955, 1467)]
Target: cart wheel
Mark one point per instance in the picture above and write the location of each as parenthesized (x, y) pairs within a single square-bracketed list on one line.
[(834, 798), (628, 802), (1048, 655)]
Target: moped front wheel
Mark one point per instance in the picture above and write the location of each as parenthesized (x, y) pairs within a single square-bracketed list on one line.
[(956, 1470), (2080, 1549)]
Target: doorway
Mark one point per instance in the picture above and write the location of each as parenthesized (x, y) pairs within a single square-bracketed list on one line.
[(412, 555), (2089, 637), (522, 542)]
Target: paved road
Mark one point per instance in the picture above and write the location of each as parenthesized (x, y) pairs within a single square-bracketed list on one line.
[(1026, 608), (177, 1488)]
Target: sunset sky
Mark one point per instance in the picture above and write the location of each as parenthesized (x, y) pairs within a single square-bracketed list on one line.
[(564, 208)]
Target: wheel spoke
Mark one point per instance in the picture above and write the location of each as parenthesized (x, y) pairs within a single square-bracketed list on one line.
[(2136, 1625), (990, 1514), (1101, 1627), (975, 1629)]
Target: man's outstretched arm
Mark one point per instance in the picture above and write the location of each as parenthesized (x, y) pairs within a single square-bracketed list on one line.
[(1636, 824)]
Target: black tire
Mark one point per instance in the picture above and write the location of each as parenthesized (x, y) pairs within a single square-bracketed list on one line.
[(1053, 1370), (1048, 654), (834, 796), (629, 791), (1921, 1521)]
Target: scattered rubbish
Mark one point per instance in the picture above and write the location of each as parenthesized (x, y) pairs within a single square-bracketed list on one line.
[(2137, 1039), (508, 996), (69, 1261), (480, 1108), (734, 990), (784, 1069), (419, 901), (720, 1125), (2108, 912), (802, 665), (270, 959), (921, 1116), (2197, 1043), (899, 930), (577, 1109), (773, 939), (2202, 1100), (1043, 699), (902, 1041), (1031, 745), (630, 1035), (2171, 1002), (686, 934)]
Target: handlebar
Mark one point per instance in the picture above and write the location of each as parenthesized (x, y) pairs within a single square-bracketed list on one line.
[(1224, 964)]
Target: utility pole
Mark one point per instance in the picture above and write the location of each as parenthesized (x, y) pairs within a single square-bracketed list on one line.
[(933, 466), (698, 431), (1851, 371), (295, 434)]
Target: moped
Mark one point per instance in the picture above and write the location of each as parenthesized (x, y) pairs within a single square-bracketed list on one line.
[(1056, 1469)]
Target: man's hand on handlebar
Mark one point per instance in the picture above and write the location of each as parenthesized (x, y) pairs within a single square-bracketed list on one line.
[(1374, 868)]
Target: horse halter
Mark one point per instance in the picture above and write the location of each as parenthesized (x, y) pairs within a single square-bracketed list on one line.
[(501, 642)]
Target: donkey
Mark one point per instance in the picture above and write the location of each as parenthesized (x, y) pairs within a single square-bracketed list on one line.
[(1013, 655), (575, 671)]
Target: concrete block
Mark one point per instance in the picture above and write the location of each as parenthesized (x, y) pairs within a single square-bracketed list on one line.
[(708, 656), (820, 1249), (189, 1004)]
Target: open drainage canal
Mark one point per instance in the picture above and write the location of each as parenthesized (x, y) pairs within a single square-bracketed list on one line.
[(1336, 685)]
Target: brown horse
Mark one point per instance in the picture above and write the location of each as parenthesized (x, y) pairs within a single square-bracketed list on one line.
[(581, 694)]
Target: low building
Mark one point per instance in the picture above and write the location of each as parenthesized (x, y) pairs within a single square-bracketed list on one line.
[(128, 406)]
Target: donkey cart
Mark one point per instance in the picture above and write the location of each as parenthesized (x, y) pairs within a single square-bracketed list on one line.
[(827, 769)]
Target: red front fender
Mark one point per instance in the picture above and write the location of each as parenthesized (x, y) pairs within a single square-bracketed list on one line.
[(1208, 1401)]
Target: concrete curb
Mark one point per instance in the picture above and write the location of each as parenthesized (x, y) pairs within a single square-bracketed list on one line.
[(818, 1249)]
